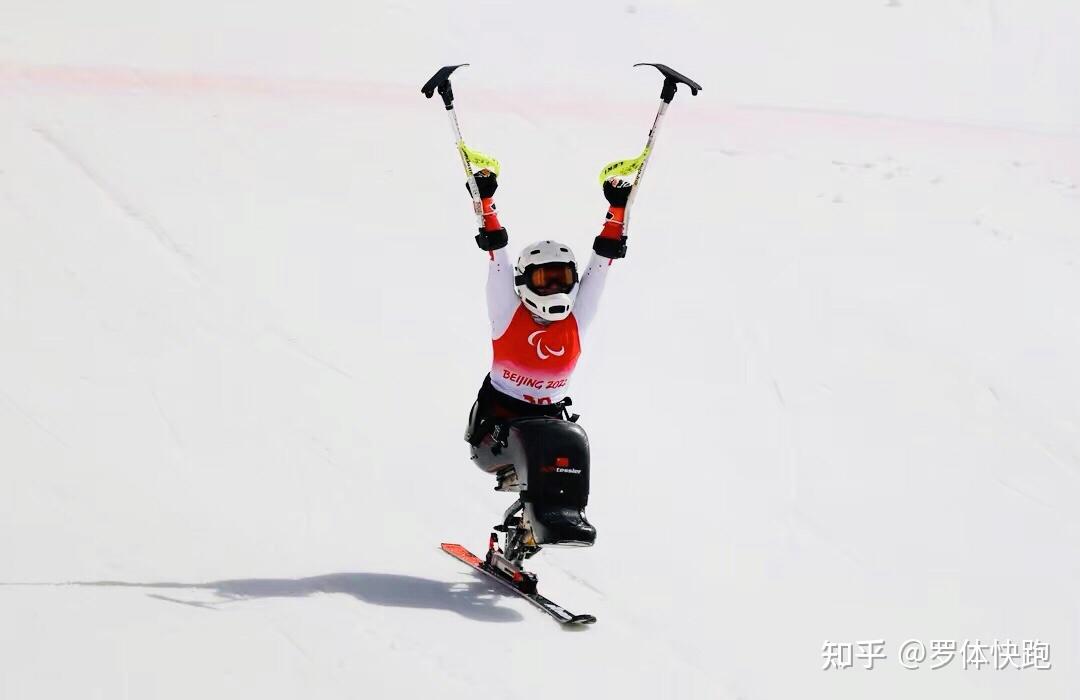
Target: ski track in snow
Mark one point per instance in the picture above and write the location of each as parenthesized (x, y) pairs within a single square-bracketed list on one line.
[(30, 418), (113, 195)]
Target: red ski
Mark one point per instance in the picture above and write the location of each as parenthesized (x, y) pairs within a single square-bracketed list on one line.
[(556, 611)]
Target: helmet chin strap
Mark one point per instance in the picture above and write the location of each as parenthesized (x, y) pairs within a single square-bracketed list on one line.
[(539, 319)]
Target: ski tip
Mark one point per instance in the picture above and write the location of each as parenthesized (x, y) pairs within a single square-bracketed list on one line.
[(581, 620), (461, 553)]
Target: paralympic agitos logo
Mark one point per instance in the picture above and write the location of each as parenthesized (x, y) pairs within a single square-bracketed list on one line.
[(538, 343)]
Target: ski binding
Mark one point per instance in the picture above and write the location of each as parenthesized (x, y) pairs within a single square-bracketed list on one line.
[(515, 579)]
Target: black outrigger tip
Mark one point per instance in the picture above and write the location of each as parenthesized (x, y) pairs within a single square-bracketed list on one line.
[(672, 78), (441, 82)]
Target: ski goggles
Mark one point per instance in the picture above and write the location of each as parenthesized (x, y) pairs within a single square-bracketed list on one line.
[(550, 278)]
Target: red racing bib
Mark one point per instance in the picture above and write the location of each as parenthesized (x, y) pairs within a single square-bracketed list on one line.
[(532, 361)]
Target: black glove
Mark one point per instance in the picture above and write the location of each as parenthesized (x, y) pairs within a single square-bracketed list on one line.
[(486, 183), (617, 191)]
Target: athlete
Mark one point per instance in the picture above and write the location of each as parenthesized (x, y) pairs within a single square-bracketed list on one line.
[(540, 309)]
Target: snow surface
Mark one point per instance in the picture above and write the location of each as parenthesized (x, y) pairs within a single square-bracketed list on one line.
[(832, 394)]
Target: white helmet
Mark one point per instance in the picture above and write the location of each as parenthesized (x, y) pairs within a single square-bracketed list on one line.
[(545, 277)]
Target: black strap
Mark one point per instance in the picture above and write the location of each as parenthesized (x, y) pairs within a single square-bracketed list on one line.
[(613, 248), (492, 240), (565, 404)]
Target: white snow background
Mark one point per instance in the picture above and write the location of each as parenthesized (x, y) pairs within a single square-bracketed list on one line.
[(832, 395)]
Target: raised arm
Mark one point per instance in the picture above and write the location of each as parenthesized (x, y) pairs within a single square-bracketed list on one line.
[(608, 246), (502, 300)]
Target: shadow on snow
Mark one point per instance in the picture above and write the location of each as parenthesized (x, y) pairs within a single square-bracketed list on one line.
[(476, 600)]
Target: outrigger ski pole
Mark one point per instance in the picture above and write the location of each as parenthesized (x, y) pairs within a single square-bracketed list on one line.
[(672, 78), (441, 82)]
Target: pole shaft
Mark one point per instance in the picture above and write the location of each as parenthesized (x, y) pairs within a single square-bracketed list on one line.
[(474, 190), (641, 171)]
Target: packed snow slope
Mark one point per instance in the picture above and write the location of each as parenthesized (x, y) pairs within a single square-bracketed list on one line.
[(832, 395)]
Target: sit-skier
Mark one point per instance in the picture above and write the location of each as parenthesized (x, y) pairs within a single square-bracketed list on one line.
[(519, 428)]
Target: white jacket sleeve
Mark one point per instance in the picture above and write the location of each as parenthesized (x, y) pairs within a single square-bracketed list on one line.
[(590, 289), (502, 300)]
